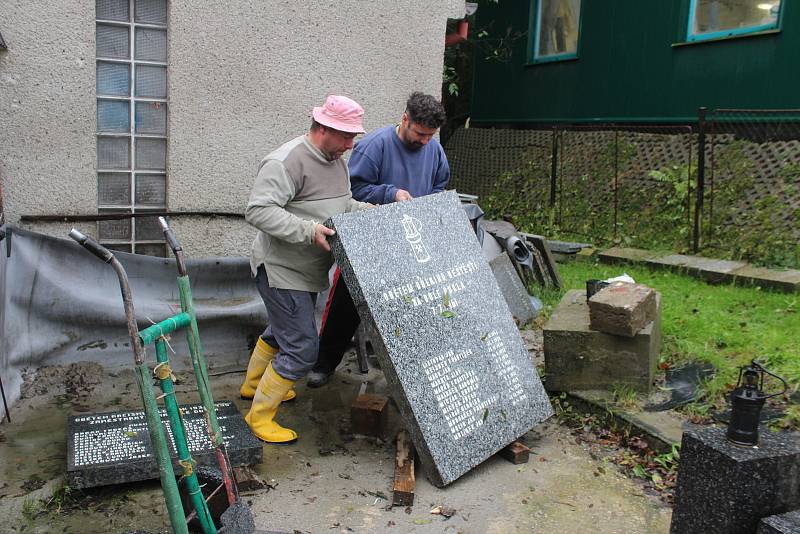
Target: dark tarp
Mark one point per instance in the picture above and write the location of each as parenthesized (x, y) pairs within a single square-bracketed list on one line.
[(59, 304)]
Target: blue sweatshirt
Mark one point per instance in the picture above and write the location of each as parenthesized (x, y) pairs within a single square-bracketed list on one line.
[(381, 164)]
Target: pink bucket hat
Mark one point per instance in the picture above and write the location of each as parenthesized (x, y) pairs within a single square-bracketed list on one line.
[(340, 113)]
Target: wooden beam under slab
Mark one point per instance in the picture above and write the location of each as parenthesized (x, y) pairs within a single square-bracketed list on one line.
[(404, 481)]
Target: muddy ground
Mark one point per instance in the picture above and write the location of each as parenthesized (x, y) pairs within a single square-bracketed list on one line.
[(327, 481)]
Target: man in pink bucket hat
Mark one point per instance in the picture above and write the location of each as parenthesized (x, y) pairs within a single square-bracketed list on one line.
[(299, 185)]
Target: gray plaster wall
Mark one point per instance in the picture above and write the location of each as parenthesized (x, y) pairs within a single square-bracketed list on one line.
[(47, 108), (243, 77)]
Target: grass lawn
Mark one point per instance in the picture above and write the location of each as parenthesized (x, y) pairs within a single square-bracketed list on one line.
[(724, 325)]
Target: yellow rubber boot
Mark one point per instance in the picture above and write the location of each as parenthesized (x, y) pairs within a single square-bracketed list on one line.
[(269, 394), (263, 353)]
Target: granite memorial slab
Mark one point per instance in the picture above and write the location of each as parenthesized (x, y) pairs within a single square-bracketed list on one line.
[(728, 488), (114, 447), (452, 356), (515, 294)]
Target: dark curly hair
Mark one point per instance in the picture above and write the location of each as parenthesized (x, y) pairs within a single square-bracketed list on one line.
[(425, 110)]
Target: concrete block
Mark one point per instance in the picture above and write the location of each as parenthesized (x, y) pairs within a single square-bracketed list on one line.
[(579, 358), (625, 254), (787, 281), (622, 309), (711, 270)]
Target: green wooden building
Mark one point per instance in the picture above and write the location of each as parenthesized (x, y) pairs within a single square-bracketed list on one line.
[(633, 61)]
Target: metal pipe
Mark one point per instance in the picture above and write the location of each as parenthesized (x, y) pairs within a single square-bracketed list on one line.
[(554, 168), (199, 365), (127, 299), (167, 326), (120, 216), (701, 175), (158, 441), (204, 386), (616, 175), (5, 404), (179, 438), (174, 244)]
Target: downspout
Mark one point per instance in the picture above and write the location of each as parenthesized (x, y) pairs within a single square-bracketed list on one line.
[(460, 34)]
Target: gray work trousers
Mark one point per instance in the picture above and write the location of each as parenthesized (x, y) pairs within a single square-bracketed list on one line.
[(292, 327)]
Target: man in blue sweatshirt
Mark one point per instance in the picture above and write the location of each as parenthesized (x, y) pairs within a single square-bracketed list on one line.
[(391, 164)]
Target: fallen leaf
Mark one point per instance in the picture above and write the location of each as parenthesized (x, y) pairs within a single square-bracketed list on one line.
[(422, 521)]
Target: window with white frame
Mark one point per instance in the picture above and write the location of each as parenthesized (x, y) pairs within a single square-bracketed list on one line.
[(713, 19), (557, 28), (131, 121)]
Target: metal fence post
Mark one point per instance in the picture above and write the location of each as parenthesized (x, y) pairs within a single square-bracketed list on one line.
[(701, 175), (554, 168)]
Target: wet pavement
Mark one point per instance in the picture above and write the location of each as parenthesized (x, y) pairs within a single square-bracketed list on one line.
[(327, 481)]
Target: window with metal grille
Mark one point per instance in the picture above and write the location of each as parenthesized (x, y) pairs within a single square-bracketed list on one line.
[(132, 121), (715, 19)]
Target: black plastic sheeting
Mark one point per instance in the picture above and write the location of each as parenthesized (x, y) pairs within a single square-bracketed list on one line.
[(684, 384), (59, 304)]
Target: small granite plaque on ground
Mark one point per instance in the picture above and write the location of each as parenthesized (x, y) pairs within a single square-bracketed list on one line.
[(449, 348), (114, 448)]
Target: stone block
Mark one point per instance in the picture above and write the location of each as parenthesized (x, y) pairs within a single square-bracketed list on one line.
[(788, 523), (114, 448), (622, 309), (453, 358), (369, 415), (727, 488), (787, 281), (711, 270), (579, 358), (625, 254)]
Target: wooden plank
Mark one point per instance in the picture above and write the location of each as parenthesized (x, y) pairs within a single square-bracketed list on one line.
[(404, 481), (369, 415), (516, 453), (248, 480)]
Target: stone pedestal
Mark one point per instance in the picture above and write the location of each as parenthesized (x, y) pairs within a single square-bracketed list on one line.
[(622, 309), (726, 488), (579, 358)]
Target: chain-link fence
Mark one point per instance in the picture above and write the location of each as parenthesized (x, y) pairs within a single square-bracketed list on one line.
[(752, 190), (604, 183), (646, 186), (625, 184)]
